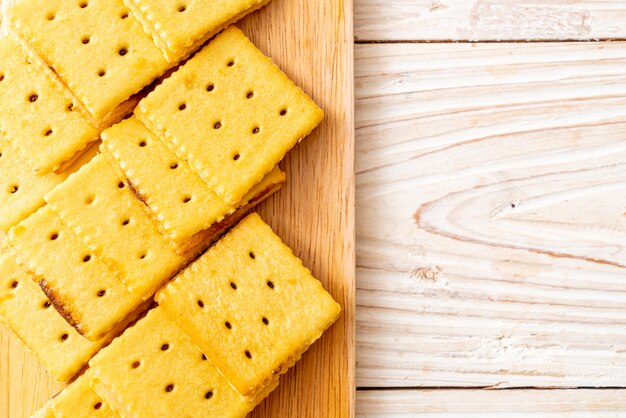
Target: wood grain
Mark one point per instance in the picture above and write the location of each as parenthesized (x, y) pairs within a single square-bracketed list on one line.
[(314, 214), (491, 234), (476, 20), (24, 384), (610, 403)]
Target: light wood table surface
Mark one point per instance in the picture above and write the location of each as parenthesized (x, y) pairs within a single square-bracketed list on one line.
[(491, 208)]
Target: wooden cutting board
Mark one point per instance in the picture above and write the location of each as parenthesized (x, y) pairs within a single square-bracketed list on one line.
[(314, 214)]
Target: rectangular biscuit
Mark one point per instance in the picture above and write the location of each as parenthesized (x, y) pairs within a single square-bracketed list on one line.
[(78, 400), (37, 115), (270, 184), (250, 306), (21, 190), (96, 47), (155, 370), (98, 205), (77, 282), (31, 317), (181, 202), (231, 113), (180, 27)]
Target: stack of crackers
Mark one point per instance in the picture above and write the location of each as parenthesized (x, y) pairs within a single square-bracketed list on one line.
[(128, 146)]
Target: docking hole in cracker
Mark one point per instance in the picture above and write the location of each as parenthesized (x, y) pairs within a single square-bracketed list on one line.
[(78, 400)]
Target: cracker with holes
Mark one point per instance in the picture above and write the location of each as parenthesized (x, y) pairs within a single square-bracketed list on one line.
[(250, 305), (21, 190), (185, 207), (231, 113), (78, 400), (179, 27), (79, 285), (28, 313), (155, 370), (99, 207), (36, 115), (96, 47)]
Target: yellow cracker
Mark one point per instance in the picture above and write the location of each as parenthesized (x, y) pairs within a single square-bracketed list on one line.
[(182, 203), (250, 305), (78, 284), (36, 114), (101, 209), (96, 47), (270, 184), (155, 370), (180, 27), (231, 113), (29, 314), (78, 400), (21, 190)]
